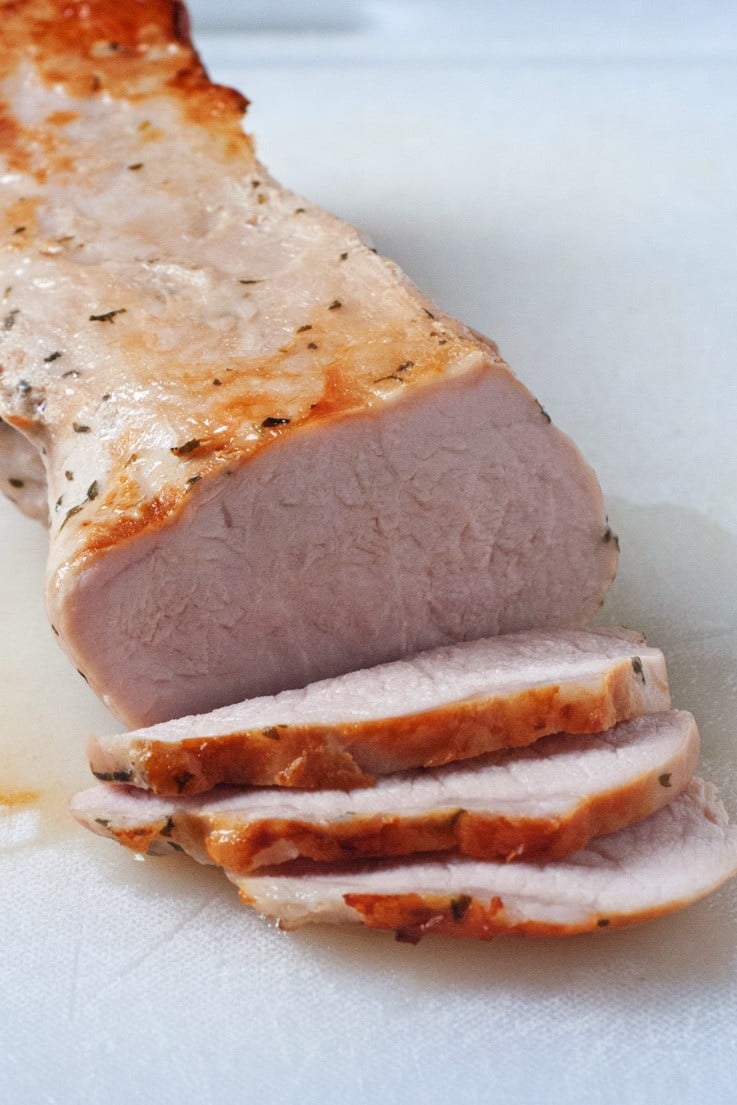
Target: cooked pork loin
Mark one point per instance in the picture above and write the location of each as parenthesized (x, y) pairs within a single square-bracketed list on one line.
[(449, 704), (678, 855), (22, 476), (270, 459), (545, 801)]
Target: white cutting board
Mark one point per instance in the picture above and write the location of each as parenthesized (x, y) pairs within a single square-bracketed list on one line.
[(576, 198)]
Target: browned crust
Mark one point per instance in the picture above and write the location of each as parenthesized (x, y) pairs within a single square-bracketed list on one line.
[(237, 846), (412, 916), (349, 756), (94, 47)]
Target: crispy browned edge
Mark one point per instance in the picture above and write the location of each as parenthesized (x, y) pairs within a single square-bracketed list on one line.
[(236, 846), (62, 38), (348, 756), (412, 916)]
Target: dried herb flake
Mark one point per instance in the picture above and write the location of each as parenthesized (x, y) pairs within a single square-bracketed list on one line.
[(52, 357), (93, 490), (15, 482), (108, 316), (69, 514), (9, 320), (637, 668), (269, 422), (80, 428), (664, 779), (459, 906), (187, 447)]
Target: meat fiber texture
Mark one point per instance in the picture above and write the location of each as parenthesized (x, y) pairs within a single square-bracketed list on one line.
[(545, 801), (268, 458), (448, 704), (680, 854)]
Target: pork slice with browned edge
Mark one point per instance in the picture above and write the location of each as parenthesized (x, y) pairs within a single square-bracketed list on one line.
[(451, 703), (680, 854), (544, 801)]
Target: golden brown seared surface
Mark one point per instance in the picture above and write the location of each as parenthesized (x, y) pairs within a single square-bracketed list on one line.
[(165, 313)]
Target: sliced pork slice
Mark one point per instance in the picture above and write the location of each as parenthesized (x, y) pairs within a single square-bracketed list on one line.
[(270, 459), (448, 704), (544, 801), (680, 854)]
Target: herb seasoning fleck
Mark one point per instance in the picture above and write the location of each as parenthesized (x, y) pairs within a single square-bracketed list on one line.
[(664, 779), (312, 345), (69, 474), (188, 447), (250, 281), (52, 357), (344, 256), (135, 167), (71, 372), (216, 383), (20, 229), (9, 320), (108, 316), (301, 329), (193, 480), (602, 922), (637, 668), (335, 305), (459, 907), (15, 482), (79, 428), (269, 422), (93, 490), (69, 514)]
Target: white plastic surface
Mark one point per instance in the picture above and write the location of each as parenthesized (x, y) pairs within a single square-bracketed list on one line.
[(576, 198)]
